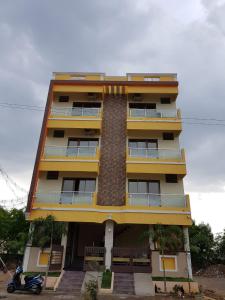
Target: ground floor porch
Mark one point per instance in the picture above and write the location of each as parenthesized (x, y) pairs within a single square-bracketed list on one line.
[(125, 248)]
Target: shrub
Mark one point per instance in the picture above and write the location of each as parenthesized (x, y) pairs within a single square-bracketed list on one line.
[(106, 279)]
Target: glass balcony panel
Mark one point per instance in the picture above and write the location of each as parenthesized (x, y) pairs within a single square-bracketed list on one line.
[(65, 197), (152, 113), (72, 151), (155, 153), (75, 111), (69, 151), (163, 200)]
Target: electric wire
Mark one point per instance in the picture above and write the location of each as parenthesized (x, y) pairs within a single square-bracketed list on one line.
[(41, 108)]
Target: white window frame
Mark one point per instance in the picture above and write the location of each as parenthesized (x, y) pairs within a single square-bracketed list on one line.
[(38, 259), (167, 256)]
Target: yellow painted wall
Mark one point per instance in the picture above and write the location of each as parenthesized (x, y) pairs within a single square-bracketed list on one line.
[(153, 89), (78, 88), (155, 168), (118, 217), (169, 263), (81, 123), (69, 165), (43, 258), (153, 125)]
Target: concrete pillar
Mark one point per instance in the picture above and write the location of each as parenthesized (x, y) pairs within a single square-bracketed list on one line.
[(187, 250), (109, 227), (27, 249), (151, 243), (64, 244)]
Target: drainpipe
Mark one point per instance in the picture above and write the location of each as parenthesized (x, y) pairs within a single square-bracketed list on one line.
[(109, 228), (187, 251), (26, 256), (64, 244)]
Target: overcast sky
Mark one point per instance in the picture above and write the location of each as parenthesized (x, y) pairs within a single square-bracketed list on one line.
[(116, 37)]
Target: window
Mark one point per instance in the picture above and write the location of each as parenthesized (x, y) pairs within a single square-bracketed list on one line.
[(143, 105), (78, 185), (150, 144), (43, 258), (168, 262), (77, 190), (171, 178), (86, 108), (52, 175), (143, 148), (63, 98), (144, 187), (168, 136), (83, 147), (165, 100), (58, 133)]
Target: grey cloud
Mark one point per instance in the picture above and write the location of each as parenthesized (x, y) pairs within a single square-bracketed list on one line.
[(114, 37)]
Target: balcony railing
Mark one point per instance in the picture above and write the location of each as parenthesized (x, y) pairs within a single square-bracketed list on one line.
[(151, 113), (73, 197), (70, 151), (161, 200), (76, 111), (155, 153)]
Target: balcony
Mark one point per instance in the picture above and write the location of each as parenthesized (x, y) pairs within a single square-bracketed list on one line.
[(80, 159), (79, 206), (158, 200), (65, 198), (75, 117), (67, 151), (154, 120), (156, 161)]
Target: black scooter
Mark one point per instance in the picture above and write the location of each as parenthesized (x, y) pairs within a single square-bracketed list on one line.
[(32, 283)]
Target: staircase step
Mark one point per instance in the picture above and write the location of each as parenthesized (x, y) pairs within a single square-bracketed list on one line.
[(124, 284), (71, 282)]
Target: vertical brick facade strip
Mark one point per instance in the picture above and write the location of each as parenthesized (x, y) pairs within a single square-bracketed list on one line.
[(112, 173)]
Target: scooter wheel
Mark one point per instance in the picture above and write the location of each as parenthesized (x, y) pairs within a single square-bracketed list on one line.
[(10, 289), (38, 290)]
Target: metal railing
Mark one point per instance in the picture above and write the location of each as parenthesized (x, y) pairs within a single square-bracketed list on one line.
[(152, 113), (73, 197), (70, 151), (161, 200), (75, 111), (155, 153)]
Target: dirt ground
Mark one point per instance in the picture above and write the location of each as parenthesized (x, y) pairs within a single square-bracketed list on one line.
[(212, 287)]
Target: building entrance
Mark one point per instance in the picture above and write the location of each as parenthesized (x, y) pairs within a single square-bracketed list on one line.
[(81, 235)]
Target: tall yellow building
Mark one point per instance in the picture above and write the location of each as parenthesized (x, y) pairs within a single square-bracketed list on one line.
[(109, 164)]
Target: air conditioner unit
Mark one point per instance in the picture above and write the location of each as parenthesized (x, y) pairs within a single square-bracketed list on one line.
[(90, 132), (92, 96), (137, 97)]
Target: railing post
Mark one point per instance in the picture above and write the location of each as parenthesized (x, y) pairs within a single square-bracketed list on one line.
[(109, 227)]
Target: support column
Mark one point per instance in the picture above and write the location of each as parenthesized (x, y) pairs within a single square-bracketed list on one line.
[(187, 251), (151, 243), (109, 227), (64, 244), (27, 249)]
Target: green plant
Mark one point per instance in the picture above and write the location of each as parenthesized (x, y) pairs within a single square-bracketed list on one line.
[(46, 231), (167, 238), (178, 290), (178, 279), (92, 289), (106, 279)]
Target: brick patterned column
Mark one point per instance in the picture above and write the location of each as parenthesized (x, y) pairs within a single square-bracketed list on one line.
[(112, 172)]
